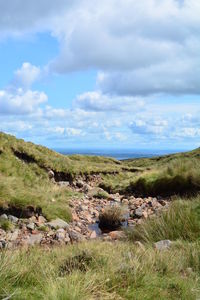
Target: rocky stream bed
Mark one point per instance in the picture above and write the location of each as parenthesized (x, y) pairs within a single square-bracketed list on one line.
[(85, 216)]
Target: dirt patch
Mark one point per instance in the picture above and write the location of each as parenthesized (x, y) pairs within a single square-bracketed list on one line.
[(25, 212), (24, 157)]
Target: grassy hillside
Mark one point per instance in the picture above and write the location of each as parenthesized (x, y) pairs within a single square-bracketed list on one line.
[(95, 269), (24, 179)]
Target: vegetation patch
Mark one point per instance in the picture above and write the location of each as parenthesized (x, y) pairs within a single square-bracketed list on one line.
[(111, 218)]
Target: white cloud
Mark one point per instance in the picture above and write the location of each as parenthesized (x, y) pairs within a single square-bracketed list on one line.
[(96, 101), (26, 75), (21, 102)]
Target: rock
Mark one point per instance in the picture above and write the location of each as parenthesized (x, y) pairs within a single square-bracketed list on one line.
[(63, 183), (58, 223), (75, 236), (13, 235), (86, 188), (34, 239), (138, 212), (13, 219), (4, 217), (93, 235), (67, 238), (60, 234), (125, 201), (51, 174), (31, 226), (163, 245), (41, 220), (117, 235), (145, 214)]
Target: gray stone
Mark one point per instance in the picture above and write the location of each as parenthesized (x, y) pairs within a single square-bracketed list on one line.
[(4, 217), (31, 226), (34, 239), (138, 212), (163, 245), (63, 183), (13, 219), (58, 223), (75, 236), (60, 234)]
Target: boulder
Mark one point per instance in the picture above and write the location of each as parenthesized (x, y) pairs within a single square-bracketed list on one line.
[(60, 234), (34, 239), (138, 212), (117, 235), (75, 236), (93, 235), (13, 219), (30, 226), (4, 217), (58, 223), (163, 245)]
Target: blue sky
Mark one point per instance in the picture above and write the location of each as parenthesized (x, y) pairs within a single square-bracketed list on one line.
[(101, 74)]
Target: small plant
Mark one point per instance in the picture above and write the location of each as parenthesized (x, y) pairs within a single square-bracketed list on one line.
[(111, 218), (6, 225), (43, 228), (79, 262), (101, 194)]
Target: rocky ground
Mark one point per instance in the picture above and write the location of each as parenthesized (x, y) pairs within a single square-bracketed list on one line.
[(85, 214)]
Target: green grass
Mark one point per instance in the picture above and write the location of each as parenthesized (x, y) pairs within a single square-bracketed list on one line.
[(180, 176), (5, 225), (180, 221), (24, 178), (99, 270)]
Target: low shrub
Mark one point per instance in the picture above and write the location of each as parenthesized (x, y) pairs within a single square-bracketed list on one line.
[(6, 225), (111, 218)]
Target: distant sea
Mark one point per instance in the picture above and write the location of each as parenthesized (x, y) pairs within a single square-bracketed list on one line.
[(117, 153)]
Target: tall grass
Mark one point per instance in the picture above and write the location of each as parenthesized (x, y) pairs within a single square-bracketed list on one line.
[(180, 221), (180, 176), (116, 271)]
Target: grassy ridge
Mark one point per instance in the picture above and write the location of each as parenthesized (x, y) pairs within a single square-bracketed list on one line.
[(24, 177)]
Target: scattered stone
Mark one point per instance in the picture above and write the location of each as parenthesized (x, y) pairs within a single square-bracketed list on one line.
[(138, 212), (12, 236), (60, 234), (13, 219), (163, 245), (41, 220), (93, 235), (67, 238), (117, 235), (34, 239), (63, 183), (31, 226), (4, 217), (75, 236), (58, 223)]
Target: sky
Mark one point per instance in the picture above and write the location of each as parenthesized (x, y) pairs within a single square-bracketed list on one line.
[(101, 73)]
